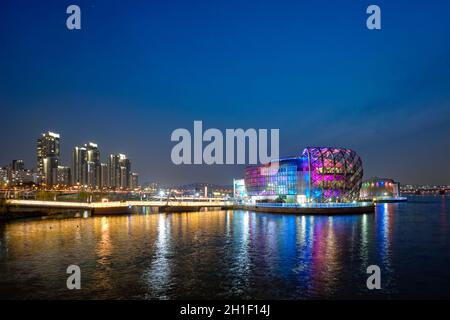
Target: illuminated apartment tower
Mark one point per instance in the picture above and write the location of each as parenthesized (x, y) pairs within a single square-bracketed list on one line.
[(134, 180), (103, 175), (48, 151), (17, 165), (113, 165), (92, 164), (78, 165), (119, 171), (63, 175), (86, 165)]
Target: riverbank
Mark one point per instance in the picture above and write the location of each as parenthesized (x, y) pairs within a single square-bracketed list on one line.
[(8, 214)]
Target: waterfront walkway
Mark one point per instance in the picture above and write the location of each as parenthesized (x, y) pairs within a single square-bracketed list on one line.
[(119, 206)]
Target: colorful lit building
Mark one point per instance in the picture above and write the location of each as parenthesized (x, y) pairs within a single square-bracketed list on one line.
[(239, 191), (319, 174), (380, 189)]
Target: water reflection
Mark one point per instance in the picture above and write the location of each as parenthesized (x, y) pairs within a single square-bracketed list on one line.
[(104, 246), (158, 275), (242, 263), (364, 240), (228, 254), (443, 219), (385, 219)]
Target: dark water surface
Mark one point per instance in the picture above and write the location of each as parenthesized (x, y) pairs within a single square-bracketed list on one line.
[(232, 254)]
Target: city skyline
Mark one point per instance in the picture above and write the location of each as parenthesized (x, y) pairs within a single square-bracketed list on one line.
[(312, 70), (91, 150), (85, 167)]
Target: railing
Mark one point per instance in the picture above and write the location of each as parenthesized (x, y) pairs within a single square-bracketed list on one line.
[(180, 203), (67, 204), (41, 203), (389, 198)]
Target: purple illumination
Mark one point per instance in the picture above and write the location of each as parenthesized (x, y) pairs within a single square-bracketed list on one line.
[(319, 174), (336, 173)]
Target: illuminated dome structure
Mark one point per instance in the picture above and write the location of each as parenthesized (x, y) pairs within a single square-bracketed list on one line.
[(319, 174), (335, 173)]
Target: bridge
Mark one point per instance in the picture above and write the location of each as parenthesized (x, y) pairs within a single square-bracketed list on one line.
[(427, 191), (172, 205), (24, 208)]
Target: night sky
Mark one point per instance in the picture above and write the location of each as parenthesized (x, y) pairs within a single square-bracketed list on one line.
[(137, 70)]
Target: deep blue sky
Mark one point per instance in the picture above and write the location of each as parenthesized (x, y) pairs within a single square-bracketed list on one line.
[(140, 69)]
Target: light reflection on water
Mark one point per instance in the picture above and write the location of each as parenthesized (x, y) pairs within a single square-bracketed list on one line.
[(158, 275), (231, 254)]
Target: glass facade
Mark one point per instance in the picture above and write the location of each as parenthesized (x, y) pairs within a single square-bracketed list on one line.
[(318, 175), (279, 178), (335, 173)]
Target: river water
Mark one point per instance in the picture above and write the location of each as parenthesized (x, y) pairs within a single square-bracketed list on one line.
[(232, 254)]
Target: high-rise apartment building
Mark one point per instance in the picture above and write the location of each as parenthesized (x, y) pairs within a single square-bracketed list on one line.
[(103, 175), (86, 168), (86, 165), (63, 175), (50, 168), (92, 164), (125, 179), (134, 180), (119, 171), (79, 155), (17, 174), (113, 165), (17, 165), (48, 152)]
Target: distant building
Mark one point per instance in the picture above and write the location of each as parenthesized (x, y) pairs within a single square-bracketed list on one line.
[(21, 177), (86, 168), (197, 189), (17, 174), (50, 168), (152, 187), (3, 176), (90, 174), (86, 165), (63, 176), (119, 171), (114, 170), (48, 145), (379, 189), (93, 164), (78, 164), (17, 165), (103, 175), (38, 178), (47, 156), (123, 179), (134, 180)]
